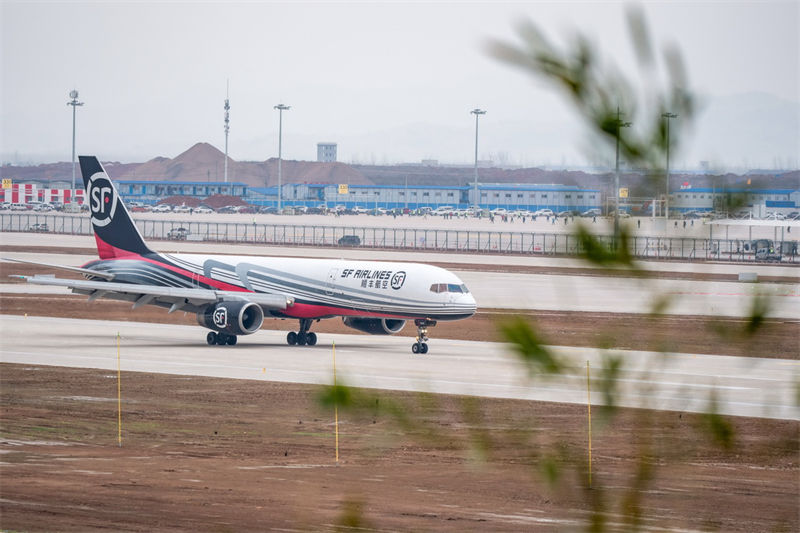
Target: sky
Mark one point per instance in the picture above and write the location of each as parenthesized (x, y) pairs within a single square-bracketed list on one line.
[(390, 82)]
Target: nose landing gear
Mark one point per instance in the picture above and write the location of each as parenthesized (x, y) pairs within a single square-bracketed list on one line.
[(302, 337), (421, 344)]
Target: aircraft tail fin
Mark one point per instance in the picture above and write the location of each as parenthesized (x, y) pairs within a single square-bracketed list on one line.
[(114, 230)]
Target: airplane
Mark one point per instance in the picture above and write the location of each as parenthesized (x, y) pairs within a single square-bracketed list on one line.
[(231, 295)]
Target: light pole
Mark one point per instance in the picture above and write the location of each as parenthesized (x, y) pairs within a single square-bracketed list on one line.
[(667, 116), (281, 108), (620, 124), (477, 112), (74, 103), (227, 108)]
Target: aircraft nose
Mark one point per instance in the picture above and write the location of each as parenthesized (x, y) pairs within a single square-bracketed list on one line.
[(470, 302)]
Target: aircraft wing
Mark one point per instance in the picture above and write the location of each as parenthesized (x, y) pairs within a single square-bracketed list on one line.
[(189, 299)]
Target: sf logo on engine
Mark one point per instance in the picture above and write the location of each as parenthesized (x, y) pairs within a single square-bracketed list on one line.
[(221, 317), (398, 279), (102, 200)]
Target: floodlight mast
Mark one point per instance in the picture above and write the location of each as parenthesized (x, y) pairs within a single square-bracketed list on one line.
[(74, 103), (281, 108), (620, 124), (667, 116), (477, 112), (227, 108)]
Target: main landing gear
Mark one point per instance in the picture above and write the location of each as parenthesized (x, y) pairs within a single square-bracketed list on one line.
[(421, 346), (302, 337), (220, 339)]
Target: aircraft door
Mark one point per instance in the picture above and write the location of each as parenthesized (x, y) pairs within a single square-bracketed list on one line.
[(330, 284)]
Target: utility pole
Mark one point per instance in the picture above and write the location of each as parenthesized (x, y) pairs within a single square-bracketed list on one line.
[(74, 103), (620, 124), (281, 108), (668, 116), (477, 112)]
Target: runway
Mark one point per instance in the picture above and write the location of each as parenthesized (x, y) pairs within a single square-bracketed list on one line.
[(681, 382)]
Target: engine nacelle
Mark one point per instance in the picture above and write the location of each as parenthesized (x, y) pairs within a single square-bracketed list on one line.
[(375, 326), (234, 318)]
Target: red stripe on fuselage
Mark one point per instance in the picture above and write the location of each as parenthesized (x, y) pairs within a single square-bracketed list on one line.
[(302, 310), (197, 277), (109, 253)]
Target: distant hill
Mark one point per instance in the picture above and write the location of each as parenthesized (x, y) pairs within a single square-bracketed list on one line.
[(201, 162), (204, 162)]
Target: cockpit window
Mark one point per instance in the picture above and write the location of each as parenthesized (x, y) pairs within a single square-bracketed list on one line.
[(449, 287)]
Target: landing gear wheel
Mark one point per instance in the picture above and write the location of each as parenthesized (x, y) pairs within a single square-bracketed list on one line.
[(421, 346), (301, 338), (222, 339), (311, 339), (291, 338), (231, 341), (211, 338)]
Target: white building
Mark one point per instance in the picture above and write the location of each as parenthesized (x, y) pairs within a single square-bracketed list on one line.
[(326, 152)]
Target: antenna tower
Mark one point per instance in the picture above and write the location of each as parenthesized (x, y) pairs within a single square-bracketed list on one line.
[(227, 127)]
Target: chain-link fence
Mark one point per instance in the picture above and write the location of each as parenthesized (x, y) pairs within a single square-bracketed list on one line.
[(500, 242)]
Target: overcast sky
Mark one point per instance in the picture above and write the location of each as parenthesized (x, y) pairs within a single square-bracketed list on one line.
[(390, 82)]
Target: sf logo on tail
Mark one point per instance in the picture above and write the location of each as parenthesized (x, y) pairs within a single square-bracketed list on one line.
[(102, 200)]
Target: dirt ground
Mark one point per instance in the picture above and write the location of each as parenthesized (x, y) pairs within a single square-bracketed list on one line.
[(206, 454)]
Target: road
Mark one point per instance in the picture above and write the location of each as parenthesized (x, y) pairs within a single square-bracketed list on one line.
[(682, 382)]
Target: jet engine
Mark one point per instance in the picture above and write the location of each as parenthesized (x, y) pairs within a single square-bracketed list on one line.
[(234, 318), (375, 326)]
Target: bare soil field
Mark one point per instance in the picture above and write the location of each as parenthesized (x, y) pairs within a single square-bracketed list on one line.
[(209, 454), (205, 454)]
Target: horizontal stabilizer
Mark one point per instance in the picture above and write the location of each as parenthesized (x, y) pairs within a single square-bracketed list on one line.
[(85, 271)]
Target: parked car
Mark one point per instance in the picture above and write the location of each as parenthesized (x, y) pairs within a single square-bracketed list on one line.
[(543, 213), (141, 209), (591, 213), (5, 206), (203, 210), (162, 208), (358, 209), (177, 234), (41, 227), (349, 240), (19, 207), (268, 209), (182, 209)]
